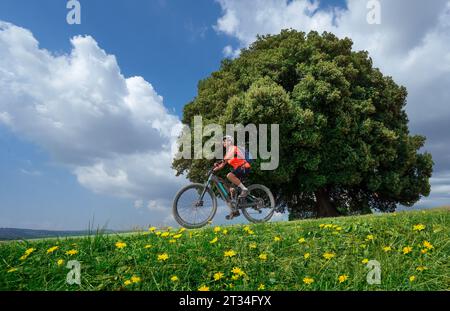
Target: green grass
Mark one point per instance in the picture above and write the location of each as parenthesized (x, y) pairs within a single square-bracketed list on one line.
[(194, 260)]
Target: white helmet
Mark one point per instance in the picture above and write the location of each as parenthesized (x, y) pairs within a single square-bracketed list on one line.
[(228, 138)]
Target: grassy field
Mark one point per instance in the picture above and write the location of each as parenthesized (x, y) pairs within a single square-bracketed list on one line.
[(326, 254)]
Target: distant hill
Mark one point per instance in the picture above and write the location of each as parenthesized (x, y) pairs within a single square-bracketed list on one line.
[(8, 234)]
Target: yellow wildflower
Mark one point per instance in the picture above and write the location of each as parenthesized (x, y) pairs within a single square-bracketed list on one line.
[(203, 288), (214, 240), (329, 255), (427, 245), (424, 251), (229, 253), (407, 250), (412, 278), (174, 278), (421, 268), (387, 249), (135, 279), (217, 276), (277, 239), (172, 241), (237, 271), (252, 245), (365, 260), (72, 252), (52, 249), (217, 229), (158, 233), (370, 237), (60, 262), (342, 278), (177, 236), (29, 251), (308, 280), (163, 257), (419, 227), (148, 246), (127, 282), (120, 245), (152, 229), (301, 240), (165, 234), (261, 287), (225, 231), (263, 256), (306, 255), (23, 257)]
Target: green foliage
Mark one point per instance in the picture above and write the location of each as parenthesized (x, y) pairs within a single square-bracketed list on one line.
[(194, 259), (343, 128)]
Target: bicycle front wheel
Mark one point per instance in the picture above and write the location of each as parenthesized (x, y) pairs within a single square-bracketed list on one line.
[(190, 211), (260, 204)]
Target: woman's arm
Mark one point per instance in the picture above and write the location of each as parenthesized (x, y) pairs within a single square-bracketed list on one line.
[(219, 165)]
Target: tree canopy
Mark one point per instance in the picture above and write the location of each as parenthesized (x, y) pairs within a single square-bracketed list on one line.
[(345, 146)]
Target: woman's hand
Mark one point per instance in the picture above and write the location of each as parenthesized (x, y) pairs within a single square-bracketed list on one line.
[(218, 166)]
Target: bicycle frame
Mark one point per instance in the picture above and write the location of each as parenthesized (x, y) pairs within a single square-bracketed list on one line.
[(225, 195), (219, 185)]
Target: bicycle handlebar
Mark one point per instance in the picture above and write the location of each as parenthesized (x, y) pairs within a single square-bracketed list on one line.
[(211, 171)]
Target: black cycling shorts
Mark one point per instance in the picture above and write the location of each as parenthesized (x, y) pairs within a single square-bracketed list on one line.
[(241, 172)]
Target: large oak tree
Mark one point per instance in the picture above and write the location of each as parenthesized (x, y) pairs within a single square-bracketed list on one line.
[(345, 147)]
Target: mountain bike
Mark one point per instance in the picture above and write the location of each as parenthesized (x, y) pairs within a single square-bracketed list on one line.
[(195, 205)]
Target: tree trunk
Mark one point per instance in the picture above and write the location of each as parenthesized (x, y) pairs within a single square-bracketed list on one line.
[(324, 207)]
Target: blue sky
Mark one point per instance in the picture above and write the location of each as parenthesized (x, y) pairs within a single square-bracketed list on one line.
[(172, 45)]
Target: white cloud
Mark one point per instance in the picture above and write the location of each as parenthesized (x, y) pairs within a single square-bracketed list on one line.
[(245, 19), (158, 205), (228, 51), (5, 118), (138, 204), (412, 44), (30, 172), (114, 133)]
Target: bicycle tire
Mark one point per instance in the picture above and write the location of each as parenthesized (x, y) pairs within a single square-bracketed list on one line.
[(183, 222), (272, 203)]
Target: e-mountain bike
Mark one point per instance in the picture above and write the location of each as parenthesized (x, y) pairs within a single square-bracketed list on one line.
[(196, 204)]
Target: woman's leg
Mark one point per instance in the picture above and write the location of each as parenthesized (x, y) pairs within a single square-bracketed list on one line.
[(235, 180), (231, 177)]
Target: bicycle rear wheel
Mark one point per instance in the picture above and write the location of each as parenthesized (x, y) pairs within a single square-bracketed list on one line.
[(189, 211), (260, 204)]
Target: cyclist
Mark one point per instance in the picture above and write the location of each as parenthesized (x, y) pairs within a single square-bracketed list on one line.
[(240, 168)]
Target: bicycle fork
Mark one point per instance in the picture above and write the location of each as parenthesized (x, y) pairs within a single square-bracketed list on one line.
[(208, 182)]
